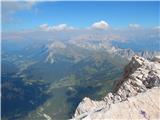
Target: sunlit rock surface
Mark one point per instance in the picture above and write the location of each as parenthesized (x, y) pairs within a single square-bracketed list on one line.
[(135, 96)]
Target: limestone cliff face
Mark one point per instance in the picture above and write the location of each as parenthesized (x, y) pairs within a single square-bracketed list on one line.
[(135, 96)]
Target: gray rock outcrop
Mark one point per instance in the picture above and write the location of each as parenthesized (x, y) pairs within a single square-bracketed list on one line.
[(135, 96)]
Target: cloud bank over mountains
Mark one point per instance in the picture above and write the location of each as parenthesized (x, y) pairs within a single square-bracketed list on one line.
[(100, 25), (98, 31), (60, 27)]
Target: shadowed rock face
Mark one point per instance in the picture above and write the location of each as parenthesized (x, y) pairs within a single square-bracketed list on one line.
[(134, 96)]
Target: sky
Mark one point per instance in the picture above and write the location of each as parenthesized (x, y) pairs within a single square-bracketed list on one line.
[(18, 16), (133, 23)]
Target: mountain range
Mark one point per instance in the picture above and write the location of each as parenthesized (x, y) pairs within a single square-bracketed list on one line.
[(58, 71)]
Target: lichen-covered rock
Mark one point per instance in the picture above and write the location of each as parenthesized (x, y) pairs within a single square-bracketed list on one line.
[(139, 76)]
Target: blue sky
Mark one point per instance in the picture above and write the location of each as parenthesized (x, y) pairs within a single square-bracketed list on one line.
[(79, 14)]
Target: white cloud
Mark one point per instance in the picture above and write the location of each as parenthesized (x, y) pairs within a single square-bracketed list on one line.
[(100, 25), (14, 6), (44, 27), (62, 27), (134, 26), (59, 27), (157, 27), (9, 8)]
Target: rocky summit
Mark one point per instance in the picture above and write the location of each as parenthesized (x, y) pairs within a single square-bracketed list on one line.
[(136, 95)]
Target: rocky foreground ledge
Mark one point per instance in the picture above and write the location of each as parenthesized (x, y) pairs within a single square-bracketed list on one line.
[(135, 96)]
